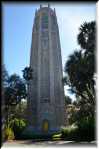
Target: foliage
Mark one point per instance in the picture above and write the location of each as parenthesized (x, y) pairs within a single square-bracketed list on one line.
[(21, 109), (69, 133), (80, 69), (57, 135), (9, 134), (27, 73), (68, 100), (72, 112), (75, 103), (84, 130), (5, 77), (18, 125), (80, 77), (86, 36), (15, 91)]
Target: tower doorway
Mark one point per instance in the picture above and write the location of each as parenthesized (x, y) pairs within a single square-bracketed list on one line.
[(45, 126)]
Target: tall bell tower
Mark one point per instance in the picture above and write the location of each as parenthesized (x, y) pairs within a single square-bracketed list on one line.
[(46, 93)]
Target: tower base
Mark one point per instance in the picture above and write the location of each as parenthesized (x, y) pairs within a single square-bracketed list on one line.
[(35, 133)]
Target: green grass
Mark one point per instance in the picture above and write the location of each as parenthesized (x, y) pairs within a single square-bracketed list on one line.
[(56, 137)]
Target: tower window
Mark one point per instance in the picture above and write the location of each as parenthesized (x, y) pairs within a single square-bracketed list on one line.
[(44, 21)]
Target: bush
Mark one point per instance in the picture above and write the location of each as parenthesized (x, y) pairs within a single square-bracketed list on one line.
[(70, 132), (86, 128), (56, 136), (18, 125), (9, 134)]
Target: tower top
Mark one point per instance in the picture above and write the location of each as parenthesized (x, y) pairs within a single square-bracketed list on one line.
[(48, 5), (40, 6)]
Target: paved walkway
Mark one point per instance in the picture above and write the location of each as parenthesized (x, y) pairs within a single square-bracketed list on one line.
[(31, 143)]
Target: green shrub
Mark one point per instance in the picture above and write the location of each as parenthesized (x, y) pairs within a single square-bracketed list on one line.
[(86, 128), (18, 125), (83, 131), (56, 136), (70, 132), (9, 134)]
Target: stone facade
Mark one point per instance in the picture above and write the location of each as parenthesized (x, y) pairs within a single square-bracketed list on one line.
[(46, 94)]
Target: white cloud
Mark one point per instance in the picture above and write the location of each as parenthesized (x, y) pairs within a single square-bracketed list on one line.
[(66, 92)]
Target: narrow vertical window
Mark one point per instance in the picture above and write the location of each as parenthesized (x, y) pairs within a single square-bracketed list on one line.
[(44, 21)]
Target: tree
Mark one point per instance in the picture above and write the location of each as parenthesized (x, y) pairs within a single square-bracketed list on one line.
[(86, 37), (13, 94), (75, 103), (5, 77), (21, 112), (15, 91), (80, 69), (87, 41), (27, 73), (68, 100)]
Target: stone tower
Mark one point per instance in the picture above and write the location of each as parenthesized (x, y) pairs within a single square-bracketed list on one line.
[(46, 94)]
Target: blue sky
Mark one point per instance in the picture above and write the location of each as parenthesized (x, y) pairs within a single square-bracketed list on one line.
[(17, 30)]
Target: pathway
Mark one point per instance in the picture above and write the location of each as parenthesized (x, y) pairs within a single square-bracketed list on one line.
[(31, 143)]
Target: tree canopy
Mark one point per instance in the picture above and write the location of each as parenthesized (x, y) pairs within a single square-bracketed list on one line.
[(15, 90), (27, 73), (86, 37), (68, 100), (80, 66)]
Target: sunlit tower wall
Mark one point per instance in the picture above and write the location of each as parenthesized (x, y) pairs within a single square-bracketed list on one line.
[(46, 93)]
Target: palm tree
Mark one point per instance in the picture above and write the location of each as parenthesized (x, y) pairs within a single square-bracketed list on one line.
[(86, 37), (27, 75)]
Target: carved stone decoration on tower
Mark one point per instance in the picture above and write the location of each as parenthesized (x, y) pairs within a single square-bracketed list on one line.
[(46, 94)]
